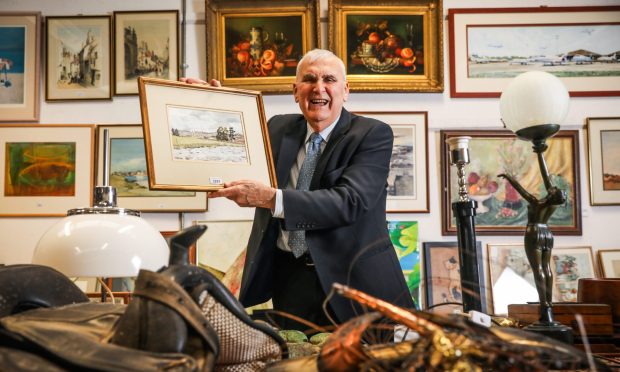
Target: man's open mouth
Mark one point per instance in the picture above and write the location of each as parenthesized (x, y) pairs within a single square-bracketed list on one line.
[(321, 102)]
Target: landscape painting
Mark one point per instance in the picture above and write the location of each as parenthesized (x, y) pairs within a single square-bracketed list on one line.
[(207, 135), (128, 170), (571, 51), (39, 169), (12, 54), (404, 237), (610, 157)]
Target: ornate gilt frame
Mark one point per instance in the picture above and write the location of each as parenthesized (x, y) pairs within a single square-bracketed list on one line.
[(218, 12), (431, 11)]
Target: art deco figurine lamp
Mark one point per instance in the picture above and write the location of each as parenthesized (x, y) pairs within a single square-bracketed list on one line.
[(533, 105), (464, 211), (102, 241)]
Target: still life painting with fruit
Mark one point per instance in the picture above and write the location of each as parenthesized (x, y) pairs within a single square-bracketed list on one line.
[(499, 204), (263, 46), (385, 44)]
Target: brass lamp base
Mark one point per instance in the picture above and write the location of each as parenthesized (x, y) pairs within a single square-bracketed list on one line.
[(554, 330)]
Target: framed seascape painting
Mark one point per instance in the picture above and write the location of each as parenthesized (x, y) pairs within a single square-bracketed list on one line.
[(146, 43), (45, 169), (404, 237), (198, 137), (79, 57), (501, 210), (579, 45), (127, 172), (408, 178), (19, 66), (393, 45), (604, 160), (609, 262), (442, 276), (257, 44)]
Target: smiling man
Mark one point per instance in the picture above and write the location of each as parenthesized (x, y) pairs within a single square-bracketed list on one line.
[(327, 223)]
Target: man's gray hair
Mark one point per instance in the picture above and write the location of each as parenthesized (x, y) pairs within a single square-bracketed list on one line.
[(320, 54)]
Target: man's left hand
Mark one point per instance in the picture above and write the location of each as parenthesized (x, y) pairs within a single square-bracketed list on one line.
[(247, 193)]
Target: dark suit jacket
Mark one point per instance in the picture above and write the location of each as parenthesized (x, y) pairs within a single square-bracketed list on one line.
[(343, 213)]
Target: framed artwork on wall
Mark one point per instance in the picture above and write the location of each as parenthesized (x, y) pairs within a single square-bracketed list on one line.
[(19, 66), (568, 264), (389, 46), (146, 43), (45, 169), (443, 278), (609, 262), (408, 178), (198, 137), (404, 237), (257, 45), (79, 56), (579, 45), (604, 160), (501, 210), (128, 174)]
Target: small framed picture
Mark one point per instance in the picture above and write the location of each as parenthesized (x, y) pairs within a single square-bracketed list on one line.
[(79, 56), (604, 160), (257, 44), (443, 276), (408, 178), (146, 43), (222, 243), (568, 265), (389, 46), (501, 210), (609, 262), (127, 172), (404, 237), (45, 169), (199, 137), (19, 66)]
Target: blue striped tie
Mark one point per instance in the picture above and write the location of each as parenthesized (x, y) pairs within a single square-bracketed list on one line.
[(297, 238)]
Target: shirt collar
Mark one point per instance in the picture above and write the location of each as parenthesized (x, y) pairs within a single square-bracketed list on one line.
[(324, 133)]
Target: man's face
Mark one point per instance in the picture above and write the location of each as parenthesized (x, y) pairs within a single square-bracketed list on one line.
[(321, 90)]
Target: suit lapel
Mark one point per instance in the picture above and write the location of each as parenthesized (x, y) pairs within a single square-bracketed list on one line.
[(342, 127), (291, 142)]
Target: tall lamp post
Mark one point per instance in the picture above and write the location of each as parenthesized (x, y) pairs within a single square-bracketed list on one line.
[(532, 106)]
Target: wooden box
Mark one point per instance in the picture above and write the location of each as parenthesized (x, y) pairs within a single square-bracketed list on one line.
[(596, 317)]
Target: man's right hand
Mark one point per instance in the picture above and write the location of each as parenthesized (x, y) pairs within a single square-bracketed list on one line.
[(213, 82)]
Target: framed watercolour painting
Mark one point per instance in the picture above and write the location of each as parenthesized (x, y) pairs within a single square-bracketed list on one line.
[(568, 264), (45, 169), (393, 45), (19, 66), (146, 43), (257, 44), (408, 178), (609, 262), (199, 137), (126, 167), (79, 57), (604, 160), (579, 45), (443, 278), (501, 210)]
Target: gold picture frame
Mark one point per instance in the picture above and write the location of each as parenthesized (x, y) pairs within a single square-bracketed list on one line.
[(257, 44), (391, 46), (45, 170), (20, 33), (128, 174), (198, 137)]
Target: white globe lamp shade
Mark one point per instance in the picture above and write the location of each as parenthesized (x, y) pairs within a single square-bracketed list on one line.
[(533, 98)]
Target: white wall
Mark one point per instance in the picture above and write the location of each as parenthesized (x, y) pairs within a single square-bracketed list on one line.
[(18, 236)]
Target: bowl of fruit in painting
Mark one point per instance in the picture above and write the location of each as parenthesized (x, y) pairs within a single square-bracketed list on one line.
[(480, 189)]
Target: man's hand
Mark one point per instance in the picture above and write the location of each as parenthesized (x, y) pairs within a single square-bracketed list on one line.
[(248, 193), (213, 82)]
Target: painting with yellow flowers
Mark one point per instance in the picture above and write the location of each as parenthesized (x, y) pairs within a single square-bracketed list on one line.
[(404, 237)]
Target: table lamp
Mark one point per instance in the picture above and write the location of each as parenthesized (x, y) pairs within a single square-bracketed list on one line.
[(533, 105), (103, 240)]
